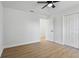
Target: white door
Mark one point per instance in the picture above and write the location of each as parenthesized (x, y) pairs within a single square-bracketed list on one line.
[(50, 30), (71, 30)]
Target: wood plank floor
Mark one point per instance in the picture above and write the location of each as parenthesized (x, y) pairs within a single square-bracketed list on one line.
[(44, 49)]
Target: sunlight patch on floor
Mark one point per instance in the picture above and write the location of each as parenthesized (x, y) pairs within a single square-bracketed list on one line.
[(43, 41)]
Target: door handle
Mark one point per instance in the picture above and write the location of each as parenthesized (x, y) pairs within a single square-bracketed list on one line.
[(51, 30)]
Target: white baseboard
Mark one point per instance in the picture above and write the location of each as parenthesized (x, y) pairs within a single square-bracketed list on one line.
[(56, 42), (59, 42), (50, 40), (14, 45)]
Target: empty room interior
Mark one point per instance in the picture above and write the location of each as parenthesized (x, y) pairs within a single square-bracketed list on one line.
[(39, 29)]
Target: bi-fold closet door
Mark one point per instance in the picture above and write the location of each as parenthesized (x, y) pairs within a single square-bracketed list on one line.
[(71, 30)]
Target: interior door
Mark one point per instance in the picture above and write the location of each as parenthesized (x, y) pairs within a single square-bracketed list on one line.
[(50, 30)]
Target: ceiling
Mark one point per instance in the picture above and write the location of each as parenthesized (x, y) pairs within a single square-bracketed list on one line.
[(33, 5)]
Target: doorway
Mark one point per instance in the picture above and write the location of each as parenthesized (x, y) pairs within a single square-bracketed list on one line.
[(43, 29), (46, 30)]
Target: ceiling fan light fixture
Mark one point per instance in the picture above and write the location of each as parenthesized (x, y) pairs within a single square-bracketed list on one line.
[(49, 5), (53, 6)]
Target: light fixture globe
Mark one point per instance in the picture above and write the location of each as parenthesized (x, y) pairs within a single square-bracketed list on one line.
[(49, 5)]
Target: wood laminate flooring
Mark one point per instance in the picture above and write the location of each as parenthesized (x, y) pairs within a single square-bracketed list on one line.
[(43, 49)]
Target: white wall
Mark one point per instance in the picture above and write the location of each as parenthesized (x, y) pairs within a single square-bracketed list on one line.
[(58, 29), (1, 28), (21, 27)]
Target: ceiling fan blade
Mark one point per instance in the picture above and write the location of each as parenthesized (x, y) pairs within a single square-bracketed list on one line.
[(49, 1), (45, 6), (55, 1), (42, 2)]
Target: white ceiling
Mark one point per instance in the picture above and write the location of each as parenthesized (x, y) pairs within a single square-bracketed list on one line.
[(33, 5)]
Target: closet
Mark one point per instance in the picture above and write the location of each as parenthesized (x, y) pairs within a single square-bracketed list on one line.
[(71, 30)]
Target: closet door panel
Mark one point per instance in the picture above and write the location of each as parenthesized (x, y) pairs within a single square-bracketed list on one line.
[(76, 30), (67, 31), (71, 30)]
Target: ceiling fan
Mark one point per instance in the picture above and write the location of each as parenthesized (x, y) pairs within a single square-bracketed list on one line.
[(48, 3)]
